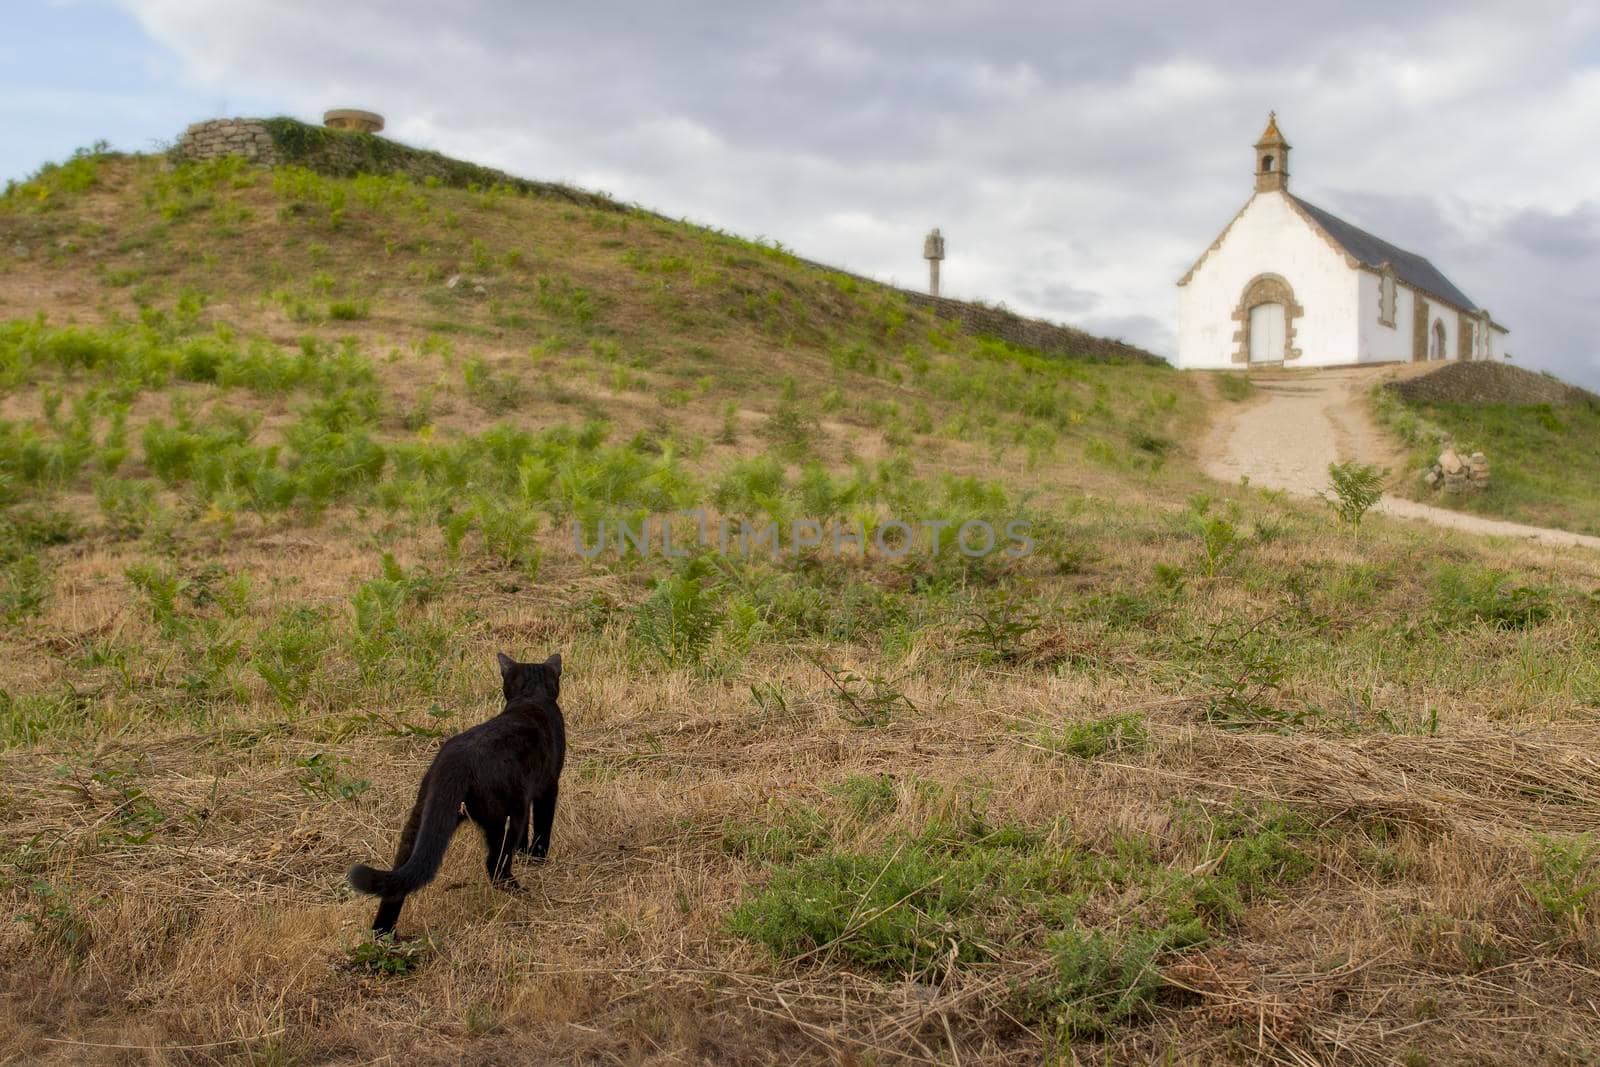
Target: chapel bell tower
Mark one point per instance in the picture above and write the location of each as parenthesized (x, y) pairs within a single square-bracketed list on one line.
[(1272, 158)]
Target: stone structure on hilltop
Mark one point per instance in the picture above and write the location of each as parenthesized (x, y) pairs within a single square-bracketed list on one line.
[(341, 151), (933, 252), (247, 138), (349, 118), (252, 138)]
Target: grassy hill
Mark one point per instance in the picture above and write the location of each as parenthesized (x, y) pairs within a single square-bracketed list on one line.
[(1541, 436), (285, 459)]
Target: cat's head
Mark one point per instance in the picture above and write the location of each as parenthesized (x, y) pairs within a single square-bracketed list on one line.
[(531, 681)]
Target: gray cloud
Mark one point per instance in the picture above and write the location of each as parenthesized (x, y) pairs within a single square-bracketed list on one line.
[(1571, 235), (1069, 298), (1078, 157)]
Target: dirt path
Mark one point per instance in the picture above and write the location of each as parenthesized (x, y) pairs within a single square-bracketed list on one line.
[(1300, 421)]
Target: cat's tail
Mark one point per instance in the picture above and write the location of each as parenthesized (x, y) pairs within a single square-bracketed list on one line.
[(437, 820)]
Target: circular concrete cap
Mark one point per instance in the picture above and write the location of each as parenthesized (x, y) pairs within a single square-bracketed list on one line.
[(349, 118)]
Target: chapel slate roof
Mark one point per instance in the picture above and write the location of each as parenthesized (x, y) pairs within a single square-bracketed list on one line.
[(1409, 267)]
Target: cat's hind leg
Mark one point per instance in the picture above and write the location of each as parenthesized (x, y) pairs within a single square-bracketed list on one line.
[(502, 836), (544, 817)]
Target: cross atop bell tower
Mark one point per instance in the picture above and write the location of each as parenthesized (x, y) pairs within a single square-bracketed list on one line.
[(1272, 158)]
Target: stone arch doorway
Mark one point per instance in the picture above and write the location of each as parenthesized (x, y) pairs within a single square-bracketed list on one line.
[(1266, 316), (1436, 349)]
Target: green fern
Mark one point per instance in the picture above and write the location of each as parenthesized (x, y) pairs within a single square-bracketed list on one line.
[(680, 617)]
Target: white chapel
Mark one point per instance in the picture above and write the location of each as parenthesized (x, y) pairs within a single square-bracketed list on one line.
[(1287, 283)]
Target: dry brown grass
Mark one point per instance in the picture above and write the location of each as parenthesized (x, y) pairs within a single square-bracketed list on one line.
[(237, 930)]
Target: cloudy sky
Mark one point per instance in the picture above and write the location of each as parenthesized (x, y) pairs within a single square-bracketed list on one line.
[(1077, 156)]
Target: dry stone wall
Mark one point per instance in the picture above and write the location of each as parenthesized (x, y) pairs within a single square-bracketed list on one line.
[(249, 138), (1047, 337), (1489, 383), (987, 320)]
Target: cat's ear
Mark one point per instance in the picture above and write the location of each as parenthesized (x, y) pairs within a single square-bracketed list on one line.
[(553, 665), (507, 664)]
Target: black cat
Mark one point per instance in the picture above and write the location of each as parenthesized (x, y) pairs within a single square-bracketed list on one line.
[(498, 770)]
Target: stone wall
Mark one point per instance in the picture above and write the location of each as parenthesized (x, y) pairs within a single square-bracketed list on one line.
[(987, 320), (249, 138), (1489, 383), (1050, 338)]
